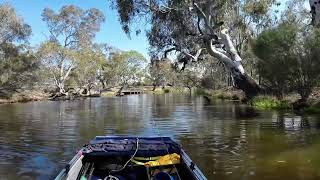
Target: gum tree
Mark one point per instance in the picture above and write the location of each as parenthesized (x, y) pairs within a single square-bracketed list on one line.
[(71, 29), (123, 68), (17, 61), (193, 29), (274, 49)]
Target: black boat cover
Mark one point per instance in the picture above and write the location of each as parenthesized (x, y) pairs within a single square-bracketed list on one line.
[(126, 146)]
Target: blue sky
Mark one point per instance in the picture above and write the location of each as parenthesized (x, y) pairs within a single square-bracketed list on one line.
[(111, 32)]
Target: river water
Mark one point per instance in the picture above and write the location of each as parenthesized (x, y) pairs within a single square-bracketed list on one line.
[(227, 140)]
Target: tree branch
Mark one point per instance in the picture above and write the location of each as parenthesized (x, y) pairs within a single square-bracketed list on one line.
[(196, 56), (168, 51), (67, 73), (205, 18), (219, 54), (199, 28), (225, 37)]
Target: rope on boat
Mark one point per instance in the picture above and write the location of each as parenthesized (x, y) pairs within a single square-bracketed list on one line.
[(125, 165)]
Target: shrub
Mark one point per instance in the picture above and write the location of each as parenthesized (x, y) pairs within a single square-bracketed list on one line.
[(265, 102)]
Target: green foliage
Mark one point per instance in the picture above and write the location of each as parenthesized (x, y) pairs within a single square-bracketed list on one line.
[(17, 62), (162, 73), (274, 48), (71, 30), (307, 64), (12, 27), (258, 9), (124, 68), (17, 68), (288, 59), (88, 64), (73, 26), (266, 102)]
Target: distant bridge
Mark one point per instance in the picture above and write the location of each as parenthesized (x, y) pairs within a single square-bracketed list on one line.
[(129, 91)]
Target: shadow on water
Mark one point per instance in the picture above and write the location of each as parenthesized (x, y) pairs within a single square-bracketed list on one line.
[(226, 139)]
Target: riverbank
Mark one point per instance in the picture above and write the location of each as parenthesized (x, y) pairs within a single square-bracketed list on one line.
[(7, 97), (289, 102), (223, 94)]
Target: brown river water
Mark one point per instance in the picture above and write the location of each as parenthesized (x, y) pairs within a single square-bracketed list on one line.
[(227, 140)]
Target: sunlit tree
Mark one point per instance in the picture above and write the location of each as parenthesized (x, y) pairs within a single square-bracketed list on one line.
[(71, 29)]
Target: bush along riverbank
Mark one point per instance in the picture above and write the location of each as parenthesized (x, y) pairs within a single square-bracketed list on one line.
[(271, 103), (22, 96), (290, 102), (7, 97)]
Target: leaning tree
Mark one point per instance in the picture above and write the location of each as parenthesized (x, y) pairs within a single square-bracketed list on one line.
[(194, 29)]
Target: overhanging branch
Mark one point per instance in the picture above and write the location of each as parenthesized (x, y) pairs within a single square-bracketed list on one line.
[(194, 57)]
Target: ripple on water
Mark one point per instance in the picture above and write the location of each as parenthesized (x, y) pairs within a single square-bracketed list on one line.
[(227, 140)]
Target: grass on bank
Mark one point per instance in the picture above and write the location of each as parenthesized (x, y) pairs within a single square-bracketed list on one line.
[(268, 102), (272, 103)]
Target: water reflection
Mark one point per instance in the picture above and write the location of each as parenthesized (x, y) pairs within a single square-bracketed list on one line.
[(227, 140)]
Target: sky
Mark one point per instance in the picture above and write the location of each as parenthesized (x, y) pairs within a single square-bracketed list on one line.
[(110, 33)]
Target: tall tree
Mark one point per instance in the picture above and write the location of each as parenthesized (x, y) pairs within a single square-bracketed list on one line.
[(71, 29), (88, 66), (12, 27), (307, 63), (17, 61), (192, 28), (274, 48), (161, 72)]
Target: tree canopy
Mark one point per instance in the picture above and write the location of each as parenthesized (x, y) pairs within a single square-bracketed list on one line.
[(12, 27), (17, 61), (195, 29), (71, 30)]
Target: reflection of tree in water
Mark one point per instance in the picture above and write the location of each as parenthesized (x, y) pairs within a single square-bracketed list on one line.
[(232, 141), (225, 139), (245, 112), (165, 105), (122, 116)]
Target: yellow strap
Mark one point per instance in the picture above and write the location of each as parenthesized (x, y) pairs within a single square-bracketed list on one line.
[(165, 160)]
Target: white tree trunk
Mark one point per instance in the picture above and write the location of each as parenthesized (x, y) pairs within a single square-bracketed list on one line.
[(231, 59)]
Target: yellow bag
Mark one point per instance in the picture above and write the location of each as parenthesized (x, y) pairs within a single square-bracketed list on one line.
[(165, 160)]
